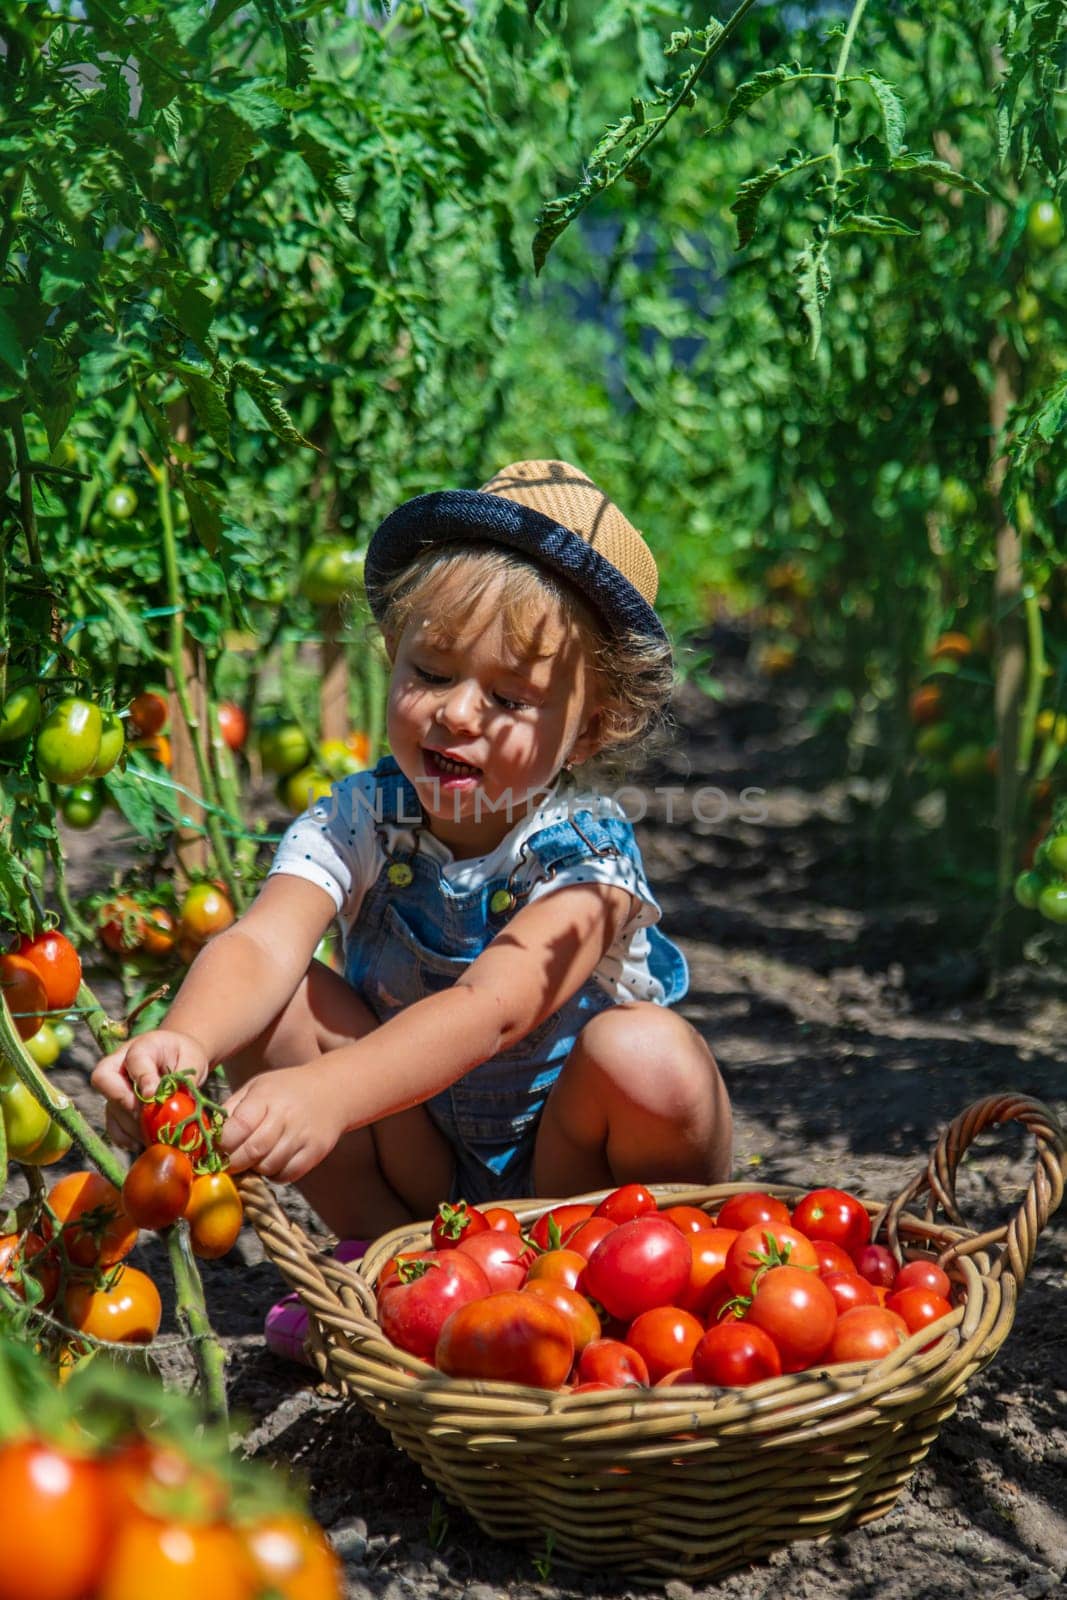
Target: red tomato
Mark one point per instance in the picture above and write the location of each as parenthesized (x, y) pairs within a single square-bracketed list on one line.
[(611, 1362), (585, 1236), (766, 1244), (122, 924), (875, 1263), (562, 1218), (679, 1375), (418, 1297), (162, 1118), (129, 1311), (510, 1336), (733, 1354), (849, 1289), (798, 1311), (580, 1316), (160, 931), (832, 1258), (643, 1263), (58, 966), (205, 911), (623, 1205), (835, 1215), (592, 1388), (157, 1187), (503, 1257), (89, 1209), (24, 992), (918, 1307), (453, 1223), (709, 1249), (743, 1210), (19, 1253), (500, 1218), (558, 1266), (689, 1218), (923, 1275), (665, 1339), (56, 1522), (233, 724), (867, 1333), (148, 713)]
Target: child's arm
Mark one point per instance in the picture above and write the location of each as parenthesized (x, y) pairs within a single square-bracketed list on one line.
[(286, 1121), (235, 987)]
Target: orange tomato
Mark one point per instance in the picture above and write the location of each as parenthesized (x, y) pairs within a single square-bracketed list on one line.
[(160, 931), (294, 1558), (58, 966), (358, 744), (24, 992), (951, 647), (926, 705), (214, 1214), (56, 1522), (205, 911), (129, 1312), (156, 745), (122, 924), (171, 1559), (89, 1210)]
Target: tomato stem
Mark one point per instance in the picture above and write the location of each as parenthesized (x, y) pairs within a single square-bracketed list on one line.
[(208, 1353)]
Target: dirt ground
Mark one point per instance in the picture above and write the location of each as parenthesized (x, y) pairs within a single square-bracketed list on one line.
[(846, 1004)]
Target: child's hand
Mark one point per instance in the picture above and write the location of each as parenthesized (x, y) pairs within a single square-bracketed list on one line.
[(139, 1064), (282, 1123)]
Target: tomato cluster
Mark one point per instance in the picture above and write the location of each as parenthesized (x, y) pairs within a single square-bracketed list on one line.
[(1043, 886), (180, 1173), (132, 926), (316, 774), (623, 1293)]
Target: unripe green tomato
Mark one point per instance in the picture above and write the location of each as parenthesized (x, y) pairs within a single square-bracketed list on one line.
[(68, 740), (53, 1147), (301, 789), (1044, 225), (1052, 901), (1028, 887), (112, 744), (934, 740), (283, 748), (43, 1045), (21, 713), (1055, 854), (64, 1033), (82, 805), (329, 572), (25, 1122), (969, 763), (120, 502)]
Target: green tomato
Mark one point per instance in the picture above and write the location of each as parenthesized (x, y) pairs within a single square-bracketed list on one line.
[(53, 1147), (1055, 854), (1052, 901), (120, 502), (68, 740), (329, 572), (1044, 225), (969, 763), (25, 1122), (43, 1046), (64, 1033), (283, 748), (1028, 887), (112, 744), (934, 740), (21, 713), (303, 788), (81, 805)]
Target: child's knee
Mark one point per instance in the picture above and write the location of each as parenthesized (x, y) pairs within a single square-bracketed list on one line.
[(651, 1055)]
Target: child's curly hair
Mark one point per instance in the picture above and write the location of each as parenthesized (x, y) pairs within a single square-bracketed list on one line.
[(634, 674)]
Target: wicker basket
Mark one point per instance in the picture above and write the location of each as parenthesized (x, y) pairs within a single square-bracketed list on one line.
[(689, 1481)]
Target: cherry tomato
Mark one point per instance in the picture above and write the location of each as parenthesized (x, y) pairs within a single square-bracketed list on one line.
[(44, 1046), (157, 1187), (417, 1297), (510, 1336), (835, 1215), (120, 502), (160, 931), (548, 1231), (162, 1118), (500, 1218), (208, 1560), (329, 571), (558, 1266), (121, 922), (665, 1339), (455, 1222), (96, 1229), (58, 967), (624, 1204), (283, 748), (112, 744), (157, 746), (577, 1311), (1044, 225), (56, 1522), (920, 1274), (832, 1258), (148, 714), (205, 911), (81, 805), (233, 724), (26, 1122), (867, 1333), (642, 1263), (68, 740), (918, 1307), (734, 1354), (53, 1147), (25, 1256), (690, 1219), (798, 1311), (24, 992), (128, 1311), (743, 1211), (877, 1264), (215, 1214), (709, 1248), (766, 1244), (611, 1362), (585, 1236), (20, 713), (503, 1257), (849, 1289), (293, 1557)]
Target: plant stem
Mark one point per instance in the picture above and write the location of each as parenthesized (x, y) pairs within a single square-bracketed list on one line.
[(71, 919), (27, 510), (847, 42), (108, 1033), (192, 1311)]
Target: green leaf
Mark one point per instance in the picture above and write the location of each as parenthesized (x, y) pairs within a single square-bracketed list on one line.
[(234, 143), (872, 222), (128, 626), (812, 272), (937, 171), (145, 796), (209, 403), (750, 194), (202, 500), (65, 270), (894, 116), (259, 387), (754, 89), (11, 351), (162, 225)]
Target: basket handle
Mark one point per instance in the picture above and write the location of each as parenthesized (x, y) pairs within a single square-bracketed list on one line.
[(1017, 1237)]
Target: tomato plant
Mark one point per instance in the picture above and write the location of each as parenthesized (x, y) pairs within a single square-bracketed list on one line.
[(233, 724), (26, 1122), (214, 1213), (732, 1355), (283, 748), (205, 911), (82, 804), (20, 714), (25, 993), (112, 744), (172, 1118), (148, 714), (124, 1309), (68, 740), (157, 1187), (120, 501), (121, 922), (510, 1336), (330, 572), (25, 1255)]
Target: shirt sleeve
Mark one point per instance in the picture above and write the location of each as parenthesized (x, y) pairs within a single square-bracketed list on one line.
[(334, 844), (619, 872)]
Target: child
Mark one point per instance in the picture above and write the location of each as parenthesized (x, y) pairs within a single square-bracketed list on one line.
[(502, 1026)]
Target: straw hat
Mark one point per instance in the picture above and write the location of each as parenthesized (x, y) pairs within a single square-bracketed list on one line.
[(552, 514)]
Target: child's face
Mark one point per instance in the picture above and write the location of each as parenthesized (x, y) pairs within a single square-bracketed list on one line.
[(474, 726)]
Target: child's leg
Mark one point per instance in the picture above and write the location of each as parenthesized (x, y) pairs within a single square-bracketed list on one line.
[(375, 1178), (640, 1099)]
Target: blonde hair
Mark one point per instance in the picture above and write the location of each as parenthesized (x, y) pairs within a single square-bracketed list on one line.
[(634, 674)]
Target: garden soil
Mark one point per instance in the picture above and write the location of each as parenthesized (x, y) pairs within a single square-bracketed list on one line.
[(844, 993)]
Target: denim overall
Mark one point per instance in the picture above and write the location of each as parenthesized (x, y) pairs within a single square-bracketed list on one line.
[(415, 935)]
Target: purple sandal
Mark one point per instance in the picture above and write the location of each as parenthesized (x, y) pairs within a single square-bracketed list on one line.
[(286, 1325)]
